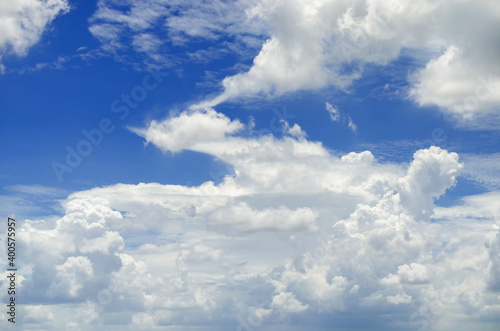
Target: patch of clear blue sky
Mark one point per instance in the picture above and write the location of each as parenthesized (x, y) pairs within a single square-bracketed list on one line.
[(44, 111)]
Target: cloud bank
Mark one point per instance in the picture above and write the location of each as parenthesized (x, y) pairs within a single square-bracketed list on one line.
[(295, 237)]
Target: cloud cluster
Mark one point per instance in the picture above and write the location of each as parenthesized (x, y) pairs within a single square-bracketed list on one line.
[(23, 22), (294, 235)]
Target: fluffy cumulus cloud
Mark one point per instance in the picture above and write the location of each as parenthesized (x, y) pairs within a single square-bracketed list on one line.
[(59, 267), (292, 236), (188, 129), (315, 44), (23, 22), (430, 174)]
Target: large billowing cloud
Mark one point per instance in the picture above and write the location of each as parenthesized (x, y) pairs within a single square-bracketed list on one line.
[(293, 236), (23, 22)]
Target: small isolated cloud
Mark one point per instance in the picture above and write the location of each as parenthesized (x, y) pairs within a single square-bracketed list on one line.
[(333, 111), (351, 124), (336, 116)]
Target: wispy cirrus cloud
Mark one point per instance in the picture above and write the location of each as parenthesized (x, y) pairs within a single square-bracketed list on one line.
[(157, 28)]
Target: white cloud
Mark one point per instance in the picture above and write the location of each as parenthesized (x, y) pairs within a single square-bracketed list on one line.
[(476, 206), (37, 190), (317, 235), (295, 130), (399, 299), (38, 315), (483, 169), (110, 241), (147, 43), (336, 116), (153, 27), (493, 246), (334, 112), (409, 274), (313, 45), (351, 124), (432, 171), (320, 236), (458, 84), (241, 217), (317, 44), (363, 157), (187, 129), (413, 274), (378, 252), (286, 302), (70, 275), (61, 264), (23, 22)]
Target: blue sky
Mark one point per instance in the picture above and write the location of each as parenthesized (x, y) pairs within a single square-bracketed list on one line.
[(252, 164)]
